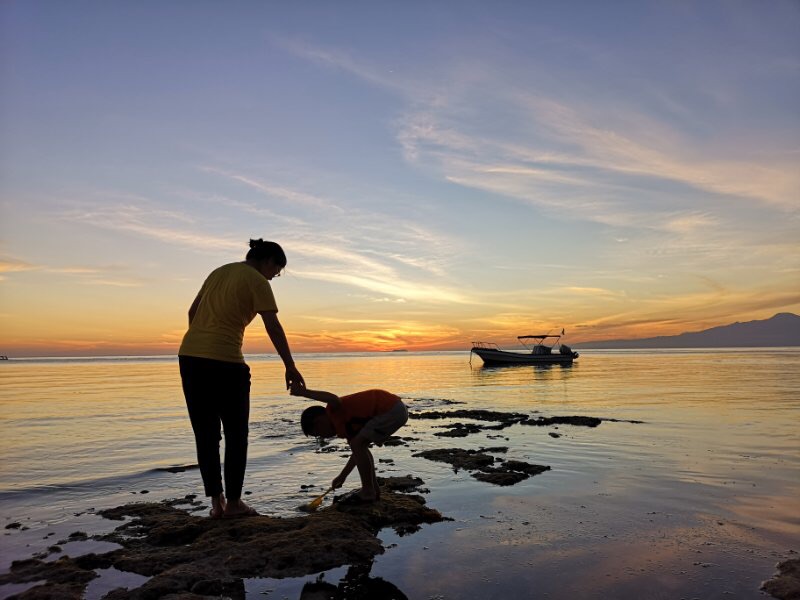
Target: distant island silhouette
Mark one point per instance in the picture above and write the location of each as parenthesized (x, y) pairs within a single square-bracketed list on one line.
[(783, 329)]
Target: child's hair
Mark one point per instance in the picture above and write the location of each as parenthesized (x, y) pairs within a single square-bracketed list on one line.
[(261, 250), (309, 416)]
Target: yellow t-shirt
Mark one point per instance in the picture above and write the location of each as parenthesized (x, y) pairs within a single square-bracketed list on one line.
[(230, 298)]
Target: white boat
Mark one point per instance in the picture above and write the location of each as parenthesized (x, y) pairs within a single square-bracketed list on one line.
[(541, 353)]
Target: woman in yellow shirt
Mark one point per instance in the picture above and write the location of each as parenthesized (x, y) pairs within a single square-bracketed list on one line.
[(216, 379)]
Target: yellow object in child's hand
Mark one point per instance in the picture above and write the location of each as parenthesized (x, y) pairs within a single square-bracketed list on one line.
[(315, 503)]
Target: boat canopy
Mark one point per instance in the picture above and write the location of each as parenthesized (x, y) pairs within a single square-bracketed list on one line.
[(536, 337)]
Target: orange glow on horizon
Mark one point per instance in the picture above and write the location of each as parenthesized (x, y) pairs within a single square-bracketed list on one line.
[(377, 337)]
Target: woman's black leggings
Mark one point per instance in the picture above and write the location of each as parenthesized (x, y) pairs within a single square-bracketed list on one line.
[(218, 392)]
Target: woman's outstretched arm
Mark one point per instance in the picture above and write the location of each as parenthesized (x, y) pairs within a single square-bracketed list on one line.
[(278, 338)]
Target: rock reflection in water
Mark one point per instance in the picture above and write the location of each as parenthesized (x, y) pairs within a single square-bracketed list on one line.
[(355, 585)]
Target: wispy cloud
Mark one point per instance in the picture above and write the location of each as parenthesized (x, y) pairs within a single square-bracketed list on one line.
[(337, 58), (148, 222), (407, 334), (593, 181), (82, 275), (602, 146), (399, 288), (326, 255), (250, 208), (12, 265), (588, 291), (288, 195)]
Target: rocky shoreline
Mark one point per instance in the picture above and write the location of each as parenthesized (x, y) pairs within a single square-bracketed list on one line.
[(189, 557)]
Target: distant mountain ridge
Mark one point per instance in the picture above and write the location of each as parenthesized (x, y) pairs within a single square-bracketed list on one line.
[(783, 329)]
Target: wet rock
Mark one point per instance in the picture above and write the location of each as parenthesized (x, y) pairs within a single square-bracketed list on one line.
[(14, 525), (56, 591), (509, 472), (187, 500), (66, 577), (572, 420), (399, 441), (486, 467), (178, 468), (188, 556), (786, 583), (460, 430), (459, 458), (499, 476), (505, 419), (394, 441), (523, 467), (407, 483)]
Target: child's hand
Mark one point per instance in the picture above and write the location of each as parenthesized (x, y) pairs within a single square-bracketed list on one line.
[(296, 388), (338, 481)]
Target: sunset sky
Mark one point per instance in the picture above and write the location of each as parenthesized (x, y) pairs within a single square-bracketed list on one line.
[(437, 172)]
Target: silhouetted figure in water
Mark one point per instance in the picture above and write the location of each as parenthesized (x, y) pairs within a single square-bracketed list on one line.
[(363, 418), (216, 379)]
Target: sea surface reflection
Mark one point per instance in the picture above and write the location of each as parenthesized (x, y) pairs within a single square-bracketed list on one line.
[(699, 499)]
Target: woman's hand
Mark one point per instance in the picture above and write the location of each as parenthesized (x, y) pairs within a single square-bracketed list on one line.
[(296, 389), (338, 481), (294, 378)]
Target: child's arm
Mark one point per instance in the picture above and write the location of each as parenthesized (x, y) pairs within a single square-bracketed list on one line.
[(339, 480), (320, 395)]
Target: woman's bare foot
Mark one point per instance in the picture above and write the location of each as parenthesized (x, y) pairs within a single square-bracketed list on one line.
[(237, 508), (217, 506)]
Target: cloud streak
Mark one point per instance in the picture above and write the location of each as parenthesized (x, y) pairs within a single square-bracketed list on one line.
[(605, 152), (326, 257)]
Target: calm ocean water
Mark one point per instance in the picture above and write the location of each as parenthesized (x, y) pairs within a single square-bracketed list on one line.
[(699, 500)]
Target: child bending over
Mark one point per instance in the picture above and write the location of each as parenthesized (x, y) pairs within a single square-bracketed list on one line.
[(362, 418)]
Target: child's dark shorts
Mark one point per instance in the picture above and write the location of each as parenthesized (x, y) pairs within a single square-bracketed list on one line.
[(380, 428)]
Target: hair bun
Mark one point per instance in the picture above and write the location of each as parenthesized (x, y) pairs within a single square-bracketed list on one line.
[(256, 243)]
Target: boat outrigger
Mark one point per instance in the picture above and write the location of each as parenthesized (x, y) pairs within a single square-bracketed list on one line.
[(540, 353)]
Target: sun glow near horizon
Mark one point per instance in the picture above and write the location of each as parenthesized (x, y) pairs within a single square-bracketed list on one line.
[(496, 174)]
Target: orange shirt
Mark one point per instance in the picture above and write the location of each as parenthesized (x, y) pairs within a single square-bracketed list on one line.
[(359, 408)]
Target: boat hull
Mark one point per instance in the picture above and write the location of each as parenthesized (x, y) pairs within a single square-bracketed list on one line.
[(492, 357)]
